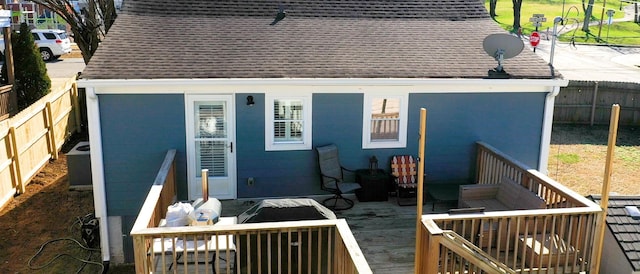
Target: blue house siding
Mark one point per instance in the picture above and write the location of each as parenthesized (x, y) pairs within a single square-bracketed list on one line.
[(137, 131), (337, 118), (512, 122)]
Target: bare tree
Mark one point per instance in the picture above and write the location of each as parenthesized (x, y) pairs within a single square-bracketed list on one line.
[(517, 7), (588, 10), (88, 25), (492, 8)]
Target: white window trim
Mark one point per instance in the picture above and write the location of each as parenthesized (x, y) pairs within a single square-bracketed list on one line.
[(366, 122), (270, 144)]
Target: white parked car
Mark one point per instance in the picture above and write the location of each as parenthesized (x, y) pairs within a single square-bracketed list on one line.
[(51, 42)]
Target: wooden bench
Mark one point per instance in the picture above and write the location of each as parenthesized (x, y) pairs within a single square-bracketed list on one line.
[(506, 195), (547, 251)]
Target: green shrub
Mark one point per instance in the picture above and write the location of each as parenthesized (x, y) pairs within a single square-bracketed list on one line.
[(32, 81)]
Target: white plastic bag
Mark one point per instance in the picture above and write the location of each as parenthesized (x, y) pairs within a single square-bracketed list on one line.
[(179, 214)]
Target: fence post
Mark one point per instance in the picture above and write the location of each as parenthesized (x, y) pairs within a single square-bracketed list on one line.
[(76, 106), (20, 186), (51, 132), (593, 102)]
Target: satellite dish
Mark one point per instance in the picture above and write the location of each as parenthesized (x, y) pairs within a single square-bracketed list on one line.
[(502, 46)]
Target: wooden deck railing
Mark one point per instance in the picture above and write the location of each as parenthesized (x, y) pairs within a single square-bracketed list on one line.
[(558, 239), (323, 246), (493, 164)]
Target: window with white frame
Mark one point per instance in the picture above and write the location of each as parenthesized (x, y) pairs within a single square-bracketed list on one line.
[(288, 122), (384, 121)]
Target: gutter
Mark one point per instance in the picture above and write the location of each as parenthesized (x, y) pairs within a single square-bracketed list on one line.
[(547, 126), (97, 170), (209, 82)]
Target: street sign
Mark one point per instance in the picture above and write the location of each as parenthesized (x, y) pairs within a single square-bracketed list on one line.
[(534, 39), (610, 15), (537, 20)]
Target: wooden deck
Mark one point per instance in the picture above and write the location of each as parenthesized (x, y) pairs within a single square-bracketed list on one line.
[(379, 237), (385, 231)]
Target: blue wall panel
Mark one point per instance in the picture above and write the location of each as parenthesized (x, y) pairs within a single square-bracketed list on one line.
[(511, 122), (137, 131)]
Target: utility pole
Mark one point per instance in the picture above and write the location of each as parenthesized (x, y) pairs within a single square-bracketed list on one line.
[(604, 5), (556, 21)]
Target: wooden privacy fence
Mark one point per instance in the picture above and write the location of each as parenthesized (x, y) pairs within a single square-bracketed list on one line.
[(589, 102), (7, 101), (33, 136)]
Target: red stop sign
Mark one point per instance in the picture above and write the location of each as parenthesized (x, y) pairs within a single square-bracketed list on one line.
[(534, 39)]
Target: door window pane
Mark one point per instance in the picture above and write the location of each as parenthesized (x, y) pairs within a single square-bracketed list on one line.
[(210, 121), (210, 137), (212, 156)]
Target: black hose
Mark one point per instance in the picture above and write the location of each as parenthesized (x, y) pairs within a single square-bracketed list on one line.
[(85, 262)]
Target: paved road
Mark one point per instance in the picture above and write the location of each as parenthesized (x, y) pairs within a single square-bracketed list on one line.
[(65, 67), (598, 63)]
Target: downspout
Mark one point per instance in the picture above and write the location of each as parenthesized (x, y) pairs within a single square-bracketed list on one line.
[(547, 126), (97, 171)]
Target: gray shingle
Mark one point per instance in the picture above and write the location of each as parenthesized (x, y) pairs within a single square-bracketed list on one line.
[(317, 39), (624, 228)]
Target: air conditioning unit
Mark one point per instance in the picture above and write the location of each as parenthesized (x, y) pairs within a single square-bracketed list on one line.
[(79, 167)]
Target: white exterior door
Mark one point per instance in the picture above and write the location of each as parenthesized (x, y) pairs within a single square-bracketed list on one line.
[(210, 145)]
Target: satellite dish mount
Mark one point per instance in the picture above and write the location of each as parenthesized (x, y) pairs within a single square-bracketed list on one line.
[(501, 46), (500, 58)]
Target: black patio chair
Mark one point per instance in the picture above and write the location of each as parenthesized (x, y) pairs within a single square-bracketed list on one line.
[(333, 179)]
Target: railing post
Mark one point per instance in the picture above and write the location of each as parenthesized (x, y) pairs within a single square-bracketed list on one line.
[(421, 161), (433, 254), (604, 202), (140, 254)]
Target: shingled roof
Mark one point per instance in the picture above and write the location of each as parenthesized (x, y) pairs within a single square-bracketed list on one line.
[(317, 39), (624, 228)]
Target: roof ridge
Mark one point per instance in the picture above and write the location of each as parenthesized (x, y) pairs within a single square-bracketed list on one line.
[(404, 9)]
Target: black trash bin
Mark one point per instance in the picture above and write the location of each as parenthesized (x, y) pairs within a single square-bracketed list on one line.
[(295, 250)]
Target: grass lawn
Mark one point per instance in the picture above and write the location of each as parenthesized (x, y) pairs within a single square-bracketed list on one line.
[(578, 153), (625, 33), (621, 33)]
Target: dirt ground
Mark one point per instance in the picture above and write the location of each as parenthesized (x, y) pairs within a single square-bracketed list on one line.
[(49, 210), (577, 159)]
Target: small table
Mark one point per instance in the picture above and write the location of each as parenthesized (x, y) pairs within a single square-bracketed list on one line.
[(443, 193), (374, 185)]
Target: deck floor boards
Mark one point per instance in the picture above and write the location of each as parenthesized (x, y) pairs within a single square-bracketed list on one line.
[(384, 230)]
